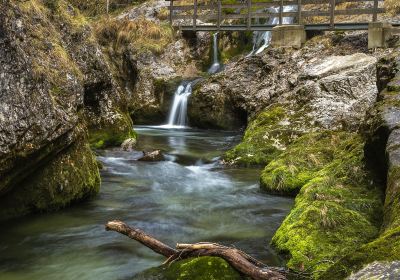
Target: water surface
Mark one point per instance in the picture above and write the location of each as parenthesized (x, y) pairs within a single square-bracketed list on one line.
[(187, 198)]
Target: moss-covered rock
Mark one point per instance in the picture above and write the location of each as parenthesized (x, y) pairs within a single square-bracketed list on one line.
[(210, 268), (338, 208), (265, 138), (383, 153), (71, 176), (299, 163)]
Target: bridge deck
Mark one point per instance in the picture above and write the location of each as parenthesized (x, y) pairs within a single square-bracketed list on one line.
[(267, 27), (205, 15)]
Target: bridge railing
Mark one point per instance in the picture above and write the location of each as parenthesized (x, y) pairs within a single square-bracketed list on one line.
[(217, 11)]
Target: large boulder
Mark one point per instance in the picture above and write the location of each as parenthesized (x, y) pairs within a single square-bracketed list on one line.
[(332, 86), (329, 93), (53, 84)]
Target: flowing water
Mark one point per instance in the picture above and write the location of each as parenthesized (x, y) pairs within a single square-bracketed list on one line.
[(216, 65), (262, 39), (178, 113), (187, 198)]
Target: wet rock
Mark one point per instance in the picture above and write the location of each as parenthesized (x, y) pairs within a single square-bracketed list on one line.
[(128, 144), (152, 156)]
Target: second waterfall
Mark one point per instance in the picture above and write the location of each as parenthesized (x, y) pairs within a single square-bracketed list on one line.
[(178, 113)]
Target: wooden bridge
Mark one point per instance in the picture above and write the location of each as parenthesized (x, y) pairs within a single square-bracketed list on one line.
[(245, 15)]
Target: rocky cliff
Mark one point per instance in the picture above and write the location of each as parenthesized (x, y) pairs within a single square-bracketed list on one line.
[(54, 85)]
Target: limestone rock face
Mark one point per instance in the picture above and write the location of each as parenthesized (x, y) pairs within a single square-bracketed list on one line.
[(378, 270), (331, 91), (53, 84)]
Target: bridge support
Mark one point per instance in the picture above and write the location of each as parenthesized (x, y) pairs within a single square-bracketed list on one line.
[(378, 34), (288, 36)]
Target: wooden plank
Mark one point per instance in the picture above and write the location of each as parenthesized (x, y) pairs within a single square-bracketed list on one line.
[(375, 14), (194, 14), (190, 7), (171, 12), (359, 11), (219, 15), (332, 13), (248, 14), (299, 12)]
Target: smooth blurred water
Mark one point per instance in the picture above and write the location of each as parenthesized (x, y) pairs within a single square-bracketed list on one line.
[(188, 198)]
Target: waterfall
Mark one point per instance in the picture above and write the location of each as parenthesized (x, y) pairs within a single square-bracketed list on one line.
[(178, 113), (216, 66), (262, 39)]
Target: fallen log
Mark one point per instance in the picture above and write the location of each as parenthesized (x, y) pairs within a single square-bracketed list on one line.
[(239, 260)]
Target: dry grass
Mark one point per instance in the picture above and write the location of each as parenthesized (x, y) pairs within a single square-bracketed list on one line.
[(141, 34), (393, 7)]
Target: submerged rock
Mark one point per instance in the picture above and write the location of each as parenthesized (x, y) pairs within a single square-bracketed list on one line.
[(152, 156), (192, 269), (129, 144)]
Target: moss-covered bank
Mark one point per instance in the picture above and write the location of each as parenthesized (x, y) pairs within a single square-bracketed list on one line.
[(266, 136), (338, 208), (383, 151), (210, 268)]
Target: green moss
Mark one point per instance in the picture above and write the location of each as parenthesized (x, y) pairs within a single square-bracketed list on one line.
[(265, 138), (338, 209), (298, 164), (210, 268), (109, 137), (384, 248), (70, 176)]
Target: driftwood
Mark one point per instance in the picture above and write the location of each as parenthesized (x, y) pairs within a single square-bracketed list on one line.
[(242, 262)]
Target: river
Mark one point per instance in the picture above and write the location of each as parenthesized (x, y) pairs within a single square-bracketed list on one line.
[(187, 198)]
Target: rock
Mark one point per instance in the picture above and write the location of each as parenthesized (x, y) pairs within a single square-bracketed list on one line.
[(383, 155), (337, 207), (128, 144), (54, 82), (336, 99), (192, 269), (152, 156), (334, 91), (378, 270)]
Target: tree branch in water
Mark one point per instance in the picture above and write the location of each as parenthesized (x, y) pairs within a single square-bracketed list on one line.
[(239, 260)]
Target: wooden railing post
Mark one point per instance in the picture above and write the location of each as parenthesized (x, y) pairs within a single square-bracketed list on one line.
[(195, 15), (171, 11), (219, 15), (299, 11), (375, 14), (281, 13), (332, 21), (248, 14)]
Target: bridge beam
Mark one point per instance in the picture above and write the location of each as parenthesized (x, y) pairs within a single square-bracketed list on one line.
[(288, 36), (378, 34)]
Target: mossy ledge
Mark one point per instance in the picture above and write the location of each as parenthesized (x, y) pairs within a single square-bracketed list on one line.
[(70, 176), (193, 269), (265, 138), (338, 208)]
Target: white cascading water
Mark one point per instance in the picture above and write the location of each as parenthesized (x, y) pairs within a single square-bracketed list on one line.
[(178, 114), (216, 66), (262, 39)]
